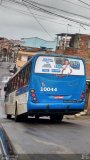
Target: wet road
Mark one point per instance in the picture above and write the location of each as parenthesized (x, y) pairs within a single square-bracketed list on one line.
[(44, 137)]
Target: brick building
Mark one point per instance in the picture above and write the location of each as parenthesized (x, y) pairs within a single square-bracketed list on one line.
[(75, 44), (8, 49)]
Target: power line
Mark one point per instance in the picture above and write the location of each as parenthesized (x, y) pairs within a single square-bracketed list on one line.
[(76, 4), (58, 9), (42, 17), (26, 13), (39, 22), (84, 3), (39, 4), (35, 7)]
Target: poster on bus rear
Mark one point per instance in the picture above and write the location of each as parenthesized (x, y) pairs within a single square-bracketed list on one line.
[(59, 65)]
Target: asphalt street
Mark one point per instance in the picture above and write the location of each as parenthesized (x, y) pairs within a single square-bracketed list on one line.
[(43, 137), (71, 136)]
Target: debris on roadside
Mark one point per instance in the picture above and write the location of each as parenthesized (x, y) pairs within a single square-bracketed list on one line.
[(78, 115)]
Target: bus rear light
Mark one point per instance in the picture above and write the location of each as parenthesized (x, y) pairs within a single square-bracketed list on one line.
[(33, 95), (35, 99), (32, 91), (83, 95)]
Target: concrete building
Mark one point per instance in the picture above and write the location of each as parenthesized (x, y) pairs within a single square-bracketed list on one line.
[(25, 53), (36, 42), (75, 44), (8, 49), (78, 45), (32, 46)]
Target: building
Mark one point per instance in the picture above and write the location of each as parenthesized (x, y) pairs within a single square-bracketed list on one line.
[(8, 49), (78, 45), (36, 42), (75, 44), (25, 53), (32, 46)]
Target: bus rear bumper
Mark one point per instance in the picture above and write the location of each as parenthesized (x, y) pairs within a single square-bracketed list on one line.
[(47, 109)]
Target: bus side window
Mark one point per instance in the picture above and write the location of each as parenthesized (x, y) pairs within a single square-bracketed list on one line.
[(21, 79), (18, 82), (27, 74), (28, 71), (12, 85)]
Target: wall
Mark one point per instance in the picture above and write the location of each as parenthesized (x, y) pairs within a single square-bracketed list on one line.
[(83, 51)]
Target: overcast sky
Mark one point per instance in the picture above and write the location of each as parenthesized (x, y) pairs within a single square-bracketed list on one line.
[(18, 21)]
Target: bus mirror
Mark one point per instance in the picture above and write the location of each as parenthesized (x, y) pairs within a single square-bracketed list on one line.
[(5, 89)]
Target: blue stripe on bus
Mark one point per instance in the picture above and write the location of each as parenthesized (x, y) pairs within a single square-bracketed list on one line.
[(22, 90)]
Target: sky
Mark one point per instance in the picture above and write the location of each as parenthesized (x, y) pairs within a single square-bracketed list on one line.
[(21, 21)]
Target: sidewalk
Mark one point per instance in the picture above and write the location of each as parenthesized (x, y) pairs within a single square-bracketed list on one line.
[(81, 115)]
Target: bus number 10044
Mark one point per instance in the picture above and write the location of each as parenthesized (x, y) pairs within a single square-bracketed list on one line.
[(48, 89)]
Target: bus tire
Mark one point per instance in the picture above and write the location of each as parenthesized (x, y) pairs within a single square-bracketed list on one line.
[(17, 118), (37, 117), (56, 118), (8, 116), (60, 117), (24, 117)]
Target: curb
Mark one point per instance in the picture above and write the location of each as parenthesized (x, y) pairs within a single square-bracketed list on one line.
[(83, 115)]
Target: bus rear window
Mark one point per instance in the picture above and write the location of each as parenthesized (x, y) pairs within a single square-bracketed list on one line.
[(59, 65)]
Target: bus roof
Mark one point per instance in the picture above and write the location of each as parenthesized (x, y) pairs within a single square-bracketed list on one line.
[(58, 55)]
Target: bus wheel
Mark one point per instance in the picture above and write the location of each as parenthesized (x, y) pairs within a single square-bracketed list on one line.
[(8, 116), (17, 118), (37, 117), (60, 117), (56, 118), (52, 118), (24, 117)]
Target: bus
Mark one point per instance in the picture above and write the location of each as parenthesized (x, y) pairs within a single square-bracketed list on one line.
[(48, 85)]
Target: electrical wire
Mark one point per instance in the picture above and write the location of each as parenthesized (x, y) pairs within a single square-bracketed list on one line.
[(84, 3), (58, 9), (26, 13), (65, 17), (39, 23), (76, 4), (35, 7), (42, 17)]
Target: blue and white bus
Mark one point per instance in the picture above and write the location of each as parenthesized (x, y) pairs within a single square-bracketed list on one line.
[(48, 85)]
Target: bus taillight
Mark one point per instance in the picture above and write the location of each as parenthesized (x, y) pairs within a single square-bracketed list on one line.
[(33, 96), (83, 95), (32, 91)]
